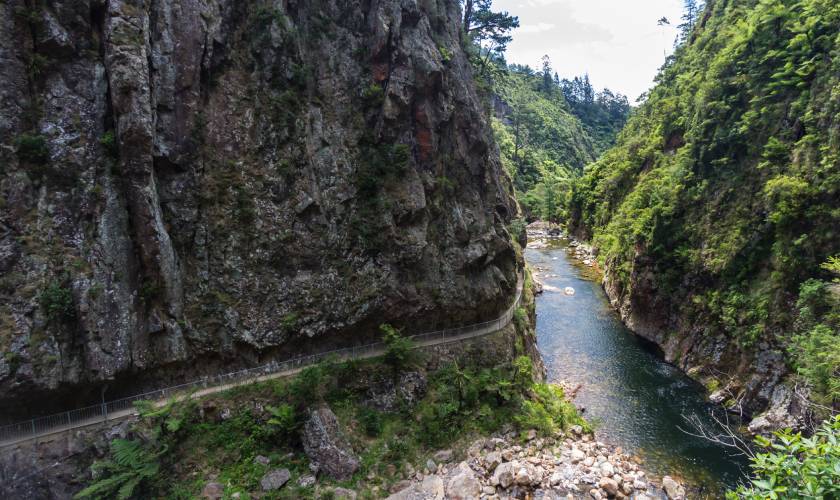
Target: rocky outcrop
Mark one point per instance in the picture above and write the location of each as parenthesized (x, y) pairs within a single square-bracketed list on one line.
[(326, 446), (388, 394), (234, 182), (751, 382)]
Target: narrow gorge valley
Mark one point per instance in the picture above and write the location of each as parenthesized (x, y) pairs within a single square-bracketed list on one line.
[(361, 249)]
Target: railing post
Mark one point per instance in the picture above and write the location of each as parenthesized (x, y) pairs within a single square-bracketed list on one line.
[(33, 426)]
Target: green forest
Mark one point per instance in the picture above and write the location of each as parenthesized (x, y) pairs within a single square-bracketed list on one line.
[(548, 129)]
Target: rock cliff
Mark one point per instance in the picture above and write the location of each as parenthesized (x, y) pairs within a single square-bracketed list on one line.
[(192, 186)]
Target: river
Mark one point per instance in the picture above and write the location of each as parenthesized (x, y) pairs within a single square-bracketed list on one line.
[(635, 399)]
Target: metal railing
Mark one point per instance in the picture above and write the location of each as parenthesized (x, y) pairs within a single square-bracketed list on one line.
[(81, 417)]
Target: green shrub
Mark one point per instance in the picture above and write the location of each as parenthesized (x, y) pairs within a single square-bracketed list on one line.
[(548, 411), (57, 302), (796, 467), (373, 95), (398, 349), (520, 319), (108, 141), (289, 321), (832, 265), (284, 419), (445, 54), (371, 421), (397, 448), (816, 355), (32, 149), (309, 386)]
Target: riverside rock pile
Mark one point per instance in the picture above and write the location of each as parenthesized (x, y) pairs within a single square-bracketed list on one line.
[(582, 252), (563, 466), (539, 234)]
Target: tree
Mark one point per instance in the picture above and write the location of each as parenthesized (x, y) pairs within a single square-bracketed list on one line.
[(489, 30), (547, 80), (691, 11)]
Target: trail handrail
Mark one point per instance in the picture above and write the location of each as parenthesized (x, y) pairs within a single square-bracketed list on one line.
[(119, 408)]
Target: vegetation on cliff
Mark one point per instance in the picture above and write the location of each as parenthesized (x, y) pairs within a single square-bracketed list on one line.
[(719, 202)]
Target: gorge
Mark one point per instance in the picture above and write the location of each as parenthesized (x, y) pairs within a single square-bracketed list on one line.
[(194, 189)]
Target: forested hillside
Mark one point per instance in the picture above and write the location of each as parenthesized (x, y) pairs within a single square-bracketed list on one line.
[(548, 129), (717, 215)]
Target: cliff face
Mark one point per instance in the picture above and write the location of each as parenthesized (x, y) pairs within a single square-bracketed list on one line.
[(188, 186), (716, 214)]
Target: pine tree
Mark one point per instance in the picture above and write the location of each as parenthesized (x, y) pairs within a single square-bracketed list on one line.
[(692, 9), (547, 80)]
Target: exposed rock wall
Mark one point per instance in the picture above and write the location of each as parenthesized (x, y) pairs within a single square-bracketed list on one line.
[(750, 382), (223, 182)]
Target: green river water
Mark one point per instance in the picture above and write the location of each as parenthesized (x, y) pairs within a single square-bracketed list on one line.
[(636, 399)]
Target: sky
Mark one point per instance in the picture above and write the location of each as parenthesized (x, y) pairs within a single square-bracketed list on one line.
[(617, 42)]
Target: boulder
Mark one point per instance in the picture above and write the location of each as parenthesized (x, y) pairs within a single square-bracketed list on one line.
[(523, 476), (430, 489), (400, 485), (492, 460), (275, 479), (306, 481), (443, 456), (673, 489), (609, 485), (213, 491), (781, 413), (504, 474), (343, 494), (326, 446), (464, 484), (578, 456)]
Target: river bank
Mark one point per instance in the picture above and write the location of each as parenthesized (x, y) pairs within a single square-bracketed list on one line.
[(566, 465)]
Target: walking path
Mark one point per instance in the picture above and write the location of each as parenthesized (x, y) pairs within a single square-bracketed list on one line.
[(114, 410)]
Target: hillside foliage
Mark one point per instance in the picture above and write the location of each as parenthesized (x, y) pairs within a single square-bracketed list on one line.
[(724, 184), (548, 130)]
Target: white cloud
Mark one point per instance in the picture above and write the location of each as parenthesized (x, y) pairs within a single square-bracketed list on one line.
[(534, 28), (616, 41)]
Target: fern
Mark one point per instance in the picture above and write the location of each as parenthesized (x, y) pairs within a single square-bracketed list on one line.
[(132, 464)]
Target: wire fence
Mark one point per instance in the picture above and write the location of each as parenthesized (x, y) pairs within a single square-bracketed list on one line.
[(81, 417)]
